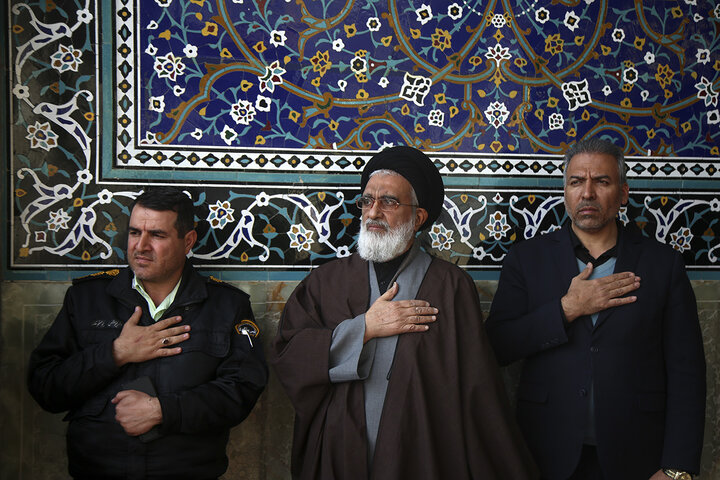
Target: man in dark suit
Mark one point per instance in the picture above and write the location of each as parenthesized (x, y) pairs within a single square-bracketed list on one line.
[(613, 383)]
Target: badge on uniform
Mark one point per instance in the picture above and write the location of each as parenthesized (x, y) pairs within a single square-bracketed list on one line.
[(249, 329)]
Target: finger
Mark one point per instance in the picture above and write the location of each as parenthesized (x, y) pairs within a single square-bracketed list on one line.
[(168, 322), (390, 292), (616, 302), (168, 352), (135, 317), (175, 331), (587, 271), (423, 310), (120, 395)]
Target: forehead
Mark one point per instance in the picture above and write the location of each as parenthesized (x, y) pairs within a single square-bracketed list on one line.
[(143, 218), (385, 184), (593, 164)]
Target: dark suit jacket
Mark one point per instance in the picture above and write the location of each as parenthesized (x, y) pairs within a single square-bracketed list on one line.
[(645, 359)]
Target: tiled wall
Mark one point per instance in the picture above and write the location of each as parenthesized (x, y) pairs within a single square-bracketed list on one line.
[(266, 113)]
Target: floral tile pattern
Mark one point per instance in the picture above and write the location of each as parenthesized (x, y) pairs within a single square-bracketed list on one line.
[(267, 110)]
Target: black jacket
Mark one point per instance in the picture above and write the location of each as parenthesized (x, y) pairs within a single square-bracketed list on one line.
[(204, 391)]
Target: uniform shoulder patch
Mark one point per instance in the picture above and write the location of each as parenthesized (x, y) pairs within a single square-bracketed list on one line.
[(106, 274), (249, 329)]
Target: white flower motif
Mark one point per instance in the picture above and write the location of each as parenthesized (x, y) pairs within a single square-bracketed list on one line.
[(607, 90), (556, 121), (441, 238), (542, 15), (153, 25), (649, 58), (424, 14), (58, 220), (455, 11), (698, 18), (243, 112), (703, 55), (178, 90), (263, 103), (577, 94), (163, 3), (497, 113), (644, 95), (190, 51), (277, 38), (341, 85), (498, 53), (228, 135), (497, 198), (716, 11), (300, 239), (84, 176), (618, 35), (498, 20), (338, 45), (197, 134), (691, 2), (715, 205), (342, 252), (571, 20), (479, 253), (373, 24), (436, 118), (681, 239), (220, 215), (84, 16), (713, 117), (151, 50), (21, 92), (149, 139), (157, 104), (384, 82), (706, 92), (630, 75), (105, 196), (262, 199), (498, 225)]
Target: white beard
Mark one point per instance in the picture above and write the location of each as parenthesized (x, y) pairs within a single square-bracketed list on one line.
[(383, 247)]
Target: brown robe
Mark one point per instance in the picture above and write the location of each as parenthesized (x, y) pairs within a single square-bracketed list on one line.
[(445, 415)]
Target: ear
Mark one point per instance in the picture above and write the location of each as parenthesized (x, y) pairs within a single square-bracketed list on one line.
[(420, 216), (190, 239), (625, 195)]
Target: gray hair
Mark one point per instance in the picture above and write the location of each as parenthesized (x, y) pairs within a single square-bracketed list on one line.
[(385, 171), (597, 145)]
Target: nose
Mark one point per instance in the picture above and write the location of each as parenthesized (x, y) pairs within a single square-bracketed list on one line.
[(143, 242), (588, 191), (374, 210)]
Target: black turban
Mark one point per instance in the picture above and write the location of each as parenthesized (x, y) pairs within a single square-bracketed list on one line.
[(416, 168)]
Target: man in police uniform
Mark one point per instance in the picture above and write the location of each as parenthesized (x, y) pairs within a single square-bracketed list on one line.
[(154, 363)]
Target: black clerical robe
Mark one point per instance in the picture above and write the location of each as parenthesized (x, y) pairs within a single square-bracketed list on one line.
[(445, 413)]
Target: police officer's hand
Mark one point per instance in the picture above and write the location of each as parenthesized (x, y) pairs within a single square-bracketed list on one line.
[(585, 297), (137, 412), (139, 344), (386, 318)]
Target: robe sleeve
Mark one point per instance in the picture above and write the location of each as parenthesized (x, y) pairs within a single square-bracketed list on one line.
[(350, 359)]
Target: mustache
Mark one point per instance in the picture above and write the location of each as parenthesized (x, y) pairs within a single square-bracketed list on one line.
[(584, 204), (376, 223)]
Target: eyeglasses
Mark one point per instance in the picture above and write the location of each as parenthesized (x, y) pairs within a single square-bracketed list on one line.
[(387, 204)]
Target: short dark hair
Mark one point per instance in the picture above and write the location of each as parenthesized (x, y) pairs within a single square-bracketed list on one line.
[(163, 199), (597, 145)]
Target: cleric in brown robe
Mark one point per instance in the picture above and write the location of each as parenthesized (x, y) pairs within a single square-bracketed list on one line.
[(384, 356)]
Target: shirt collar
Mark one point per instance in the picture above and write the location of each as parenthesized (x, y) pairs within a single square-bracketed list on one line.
[(156, 312), (583, 254)]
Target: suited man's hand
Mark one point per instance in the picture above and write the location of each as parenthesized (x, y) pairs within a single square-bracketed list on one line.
[(585, 297), (137, 412)]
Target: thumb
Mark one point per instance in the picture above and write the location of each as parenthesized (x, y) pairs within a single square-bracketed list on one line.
[(390, 292), (587, 271), (119, 396), (135, 317)]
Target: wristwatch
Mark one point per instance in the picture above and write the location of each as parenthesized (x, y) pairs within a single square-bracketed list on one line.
[(677, 474)]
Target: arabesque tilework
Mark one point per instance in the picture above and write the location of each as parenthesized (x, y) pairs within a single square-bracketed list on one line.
[(267, 110)]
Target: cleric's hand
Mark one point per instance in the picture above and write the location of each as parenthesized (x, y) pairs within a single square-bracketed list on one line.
[(386, 318)]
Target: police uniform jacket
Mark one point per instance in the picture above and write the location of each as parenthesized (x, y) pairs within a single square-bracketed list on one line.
[(204, 391)]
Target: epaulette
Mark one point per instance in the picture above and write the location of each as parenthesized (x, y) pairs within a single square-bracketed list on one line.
[(216, 281), (106, 274)]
